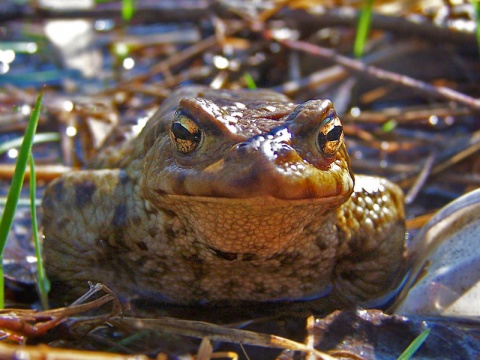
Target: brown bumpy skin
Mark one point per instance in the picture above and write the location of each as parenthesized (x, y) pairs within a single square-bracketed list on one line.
[(227, 196)]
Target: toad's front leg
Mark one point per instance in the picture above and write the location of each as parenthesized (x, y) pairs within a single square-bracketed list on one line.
[(88, 219), (372, 224)]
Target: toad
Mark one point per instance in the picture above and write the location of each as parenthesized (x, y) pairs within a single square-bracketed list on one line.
[(225, 196)]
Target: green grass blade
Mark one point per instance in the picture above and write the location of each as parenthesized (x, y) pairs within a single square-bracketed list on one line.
[(128, 9), (43, 284), (363, 27), (37, 139), (249, 81), (16, 187), (415, 345), (390, 125), (476, 4)]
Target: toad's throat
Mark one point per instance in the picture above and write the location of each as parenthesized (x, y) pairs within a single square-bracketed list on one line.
[(260, 226)]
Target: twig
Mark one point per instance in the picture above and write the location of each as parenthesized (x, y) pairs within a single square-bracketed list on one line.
[(421, 179), (360, 67), (338, 72), (402, 26), (472, 148), (218, 333), (456, 151), (146, 11), (185, 54), (405, 114), (418, 221)]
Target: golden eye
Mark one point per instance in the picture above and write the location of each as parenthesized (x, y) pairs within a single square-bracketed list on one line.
[(185, 133), (330, 136)]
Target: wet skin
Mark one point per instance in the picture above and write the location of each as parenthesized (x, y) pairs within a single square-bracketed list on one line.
[(227, 196)]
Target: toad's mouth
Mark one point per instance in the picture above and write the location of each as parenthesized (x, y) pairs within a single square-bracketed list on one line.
[(263, 226)]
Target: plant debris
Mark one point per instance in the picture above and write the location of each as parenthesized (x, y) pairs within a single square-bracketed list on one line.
[(410, 109)]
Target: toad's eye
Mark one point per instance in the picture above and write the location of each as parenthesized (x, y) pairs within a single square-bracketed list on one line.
[(185, 133), (330, 136)]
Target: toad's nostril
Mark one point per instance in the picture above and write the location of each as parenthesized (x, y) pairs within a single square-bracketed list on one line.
[(282, 148)]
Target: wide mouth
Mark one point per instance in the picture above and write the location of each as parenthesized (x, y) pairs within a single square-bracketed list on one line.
[(263, 225), (263, 202)]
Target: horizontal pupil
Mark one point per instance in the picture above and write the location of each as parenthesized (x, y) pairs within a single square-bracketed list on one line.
[(335, 133), (182, 133)]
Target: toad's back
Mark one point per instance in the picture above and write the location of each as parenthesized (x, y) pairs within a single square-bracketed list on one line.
[(227, 196)]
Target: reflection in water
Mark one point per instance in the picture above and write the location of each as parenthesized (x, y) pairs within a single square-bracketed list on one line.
[(6, 57), (74, 38)]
